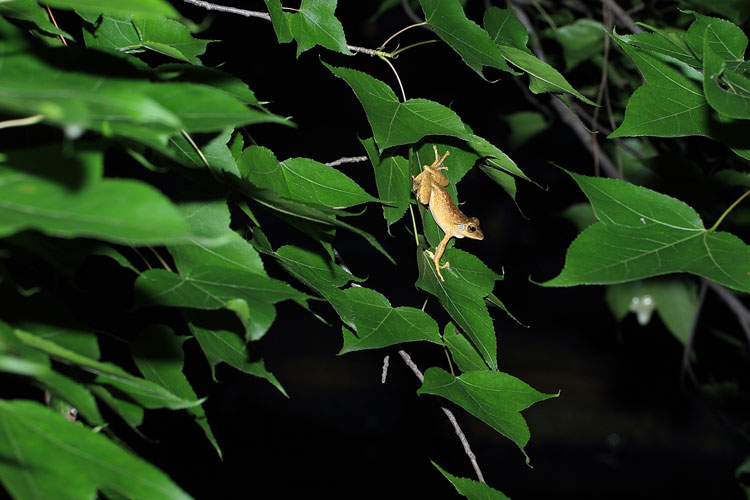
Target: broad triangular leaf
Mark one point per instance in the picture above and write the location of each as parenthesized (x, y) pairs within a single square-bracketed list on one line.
[(642, 233), (494, 397)]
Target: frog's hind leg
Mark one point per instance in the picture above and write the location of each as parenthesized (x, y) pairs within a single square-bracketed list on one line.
[(438, 254)]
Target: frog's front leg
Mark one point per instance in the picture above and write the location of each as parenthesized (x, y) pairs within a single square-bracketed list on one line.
[(422, 186), (439, 251)]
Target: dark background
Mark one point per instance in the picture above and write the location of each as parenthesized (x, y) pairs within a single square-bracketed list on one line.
[(624, 426)]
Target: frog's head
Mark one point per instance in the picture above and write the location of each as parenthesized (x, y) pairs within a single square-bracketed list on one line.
[(470, 230)]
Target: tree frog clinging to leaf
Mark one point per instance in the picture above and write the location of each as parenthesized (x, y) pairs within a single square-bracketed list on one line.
[(430, 190)]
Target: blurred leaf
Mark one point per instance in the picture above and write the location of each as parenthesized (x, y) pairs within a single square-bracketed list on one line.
[(580, 41), (144, 392), (157, 353), (128, 32), (580, 214), (31, 11), (524, 126), (471, 489), (675, 299), (73, 393), (301, 179), (504, 28), (495, 398), (377, 323), (472, 43), (642, 233), (131, 413), (467, 282), (463, 353), (69, 200), (152, 7), (32, 437)]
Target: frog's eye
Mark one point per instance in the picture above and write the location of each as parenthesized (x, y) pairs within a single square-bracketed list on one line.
[(472, 228), (461, 227)]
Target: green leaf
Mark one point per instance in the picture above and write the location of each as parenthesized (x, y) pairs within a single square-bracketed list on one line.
[(675, 299), (249, 295), (157, 353), (31, 11), (280, 21), (467, 282), (504, 27), (668, 105), (131, 413), (211, 219), (129, 32), (471, 489), (144, 392), (642, 233), (669, 43), (472, 43), (580, 41), (74, 394), (392, 180), (495, 398), (315, 24), (524, 126), (542, 76), (463, 353), (301, 179), (730, 95), (70, 200), (32, 437), (316, 271), (725, 39), (224, 346), (152, 7), (307, 212), (82, 342), (395, 123), (377, 323)]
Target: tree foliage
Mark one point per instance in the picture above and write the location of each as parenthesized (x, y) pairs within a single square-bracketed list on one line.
[(123, 146)]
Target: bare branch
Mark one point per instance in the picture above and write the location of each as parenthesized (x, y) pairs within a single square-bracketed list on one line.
[(230, 10), (410, 12), (686, 368), (347, 159), (457, 428), (565, 114), (622, 16), (735, 305), (386, 363)]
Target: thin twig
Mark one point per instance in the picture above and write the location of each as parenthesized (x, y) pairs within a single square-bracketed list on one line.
[(384, 374), (230, 10), (22, 122), (562, 110), (52, 18), (735, 305), (607, 18), (622, 16), (346, 159), (410, 12), (686, 368), (461, 436)]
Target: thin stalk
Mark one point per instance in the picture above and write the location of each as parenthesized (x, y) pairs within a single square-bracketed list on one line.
[(382, 45), (726, 212)]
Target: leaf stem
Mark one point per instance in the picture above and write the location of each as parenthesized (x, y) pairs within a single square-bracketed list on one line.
[(22, 122), (382, 45), (731, 207), (398, 51)]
